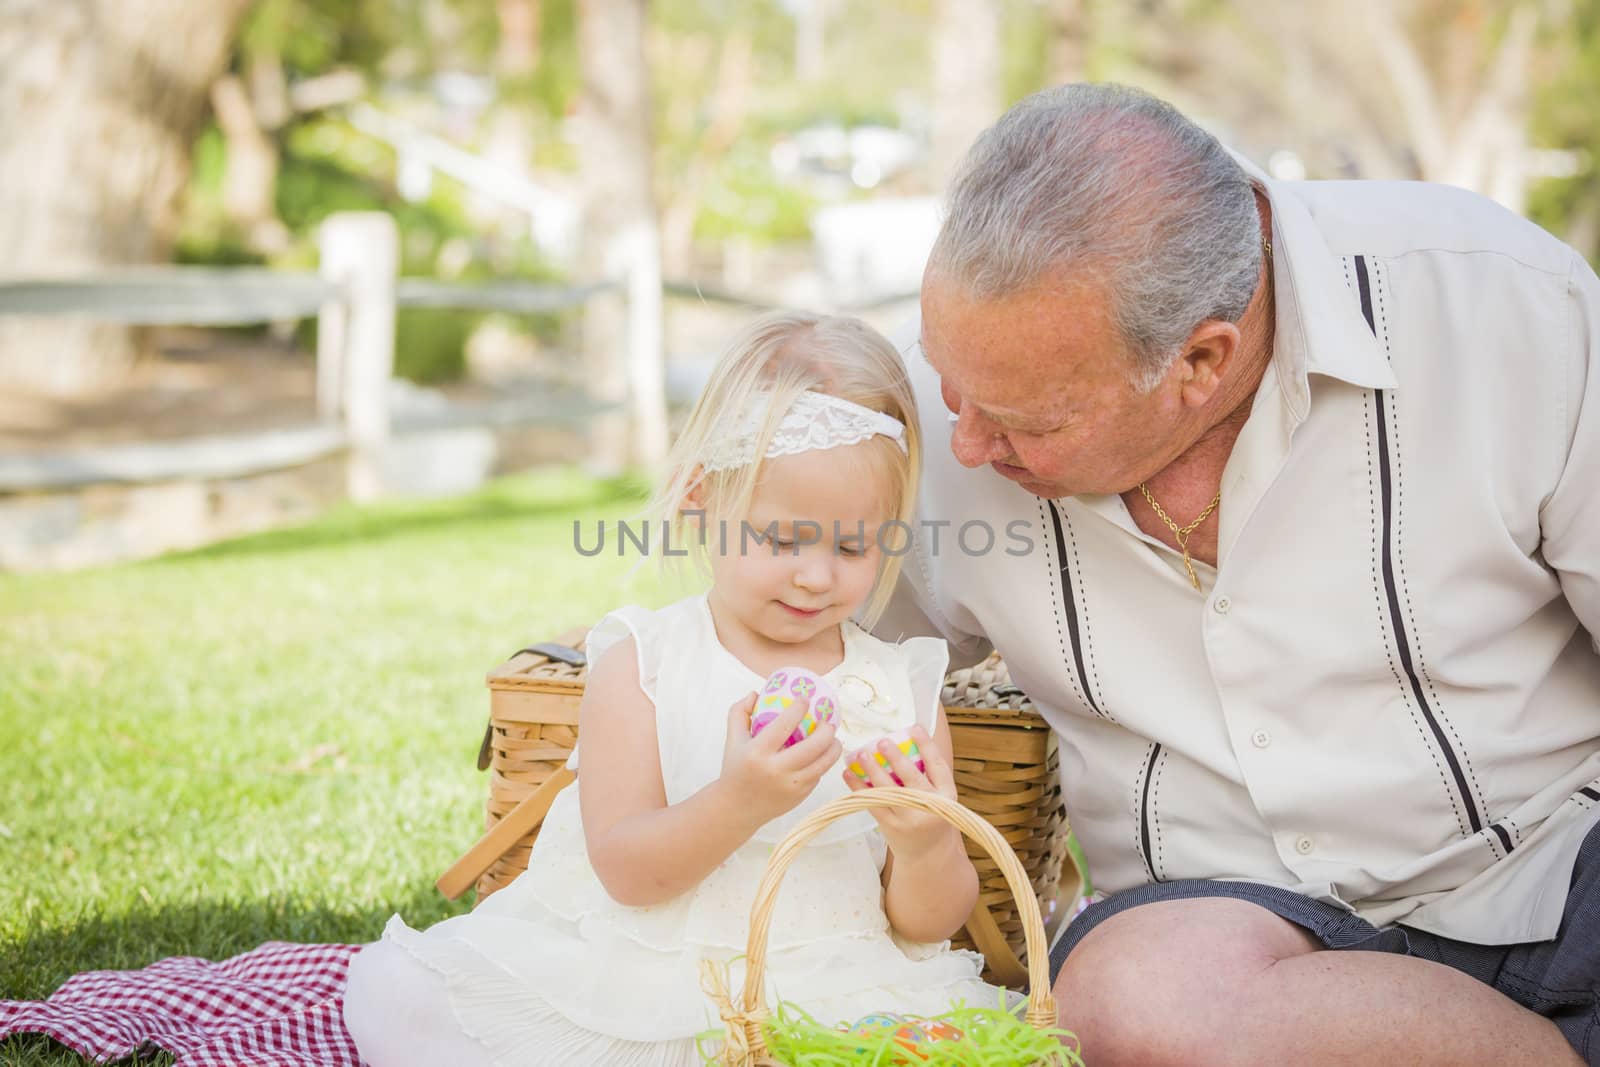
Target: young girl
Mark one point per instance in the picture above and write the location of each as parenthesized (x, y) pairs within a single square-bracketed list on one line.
[(795, 473)]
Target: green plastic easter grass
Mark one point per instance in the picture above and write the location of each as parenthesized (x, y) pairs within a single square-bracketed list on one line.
[(992, 1037)]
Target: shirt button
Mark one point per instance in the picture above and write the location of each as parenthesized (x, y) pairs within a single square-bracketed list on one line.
[(1261, 739), (1304, 845), (1221, 605)]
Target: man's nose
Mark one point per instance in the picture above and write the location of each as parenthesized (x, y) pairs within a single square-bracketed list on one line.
[(976, 442)]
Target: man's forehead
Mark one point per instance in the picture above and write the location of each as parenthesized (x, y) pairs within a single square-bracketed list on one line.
[(994, 385), (1012, 345)]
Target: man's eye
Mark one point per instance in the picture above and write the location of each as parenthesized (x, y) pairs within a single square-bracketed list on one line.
[(1038, 432)]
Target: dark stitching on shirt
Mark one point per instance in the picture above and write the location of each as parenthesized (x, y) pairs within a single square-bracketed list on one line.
[(1381, 277), (1155, 793), (1055, 608), (1081, 600), (1133, 807), (1383, 637), (1069, 608), (1397, 627), (1375, 396), (1137, 799)]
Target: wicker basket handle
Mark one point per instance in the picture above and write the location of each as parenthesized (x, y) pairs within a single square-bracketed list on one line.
[(752, 1014)]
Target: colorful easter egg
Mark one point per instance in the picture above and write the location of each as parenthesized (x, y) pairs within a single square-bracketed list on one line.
[(917, 1034), (940, 1031), (901, 740), (913, 1036), (876, 1028), (783, 687)]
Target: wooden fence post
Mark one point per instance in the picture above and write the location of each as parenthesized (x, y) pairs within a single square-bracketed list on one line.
[(355, 358), (647, 397), (332, 327)]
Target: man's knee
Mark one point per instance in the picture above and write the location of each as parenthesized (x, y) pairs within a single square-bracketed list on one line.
[(1153, 984)]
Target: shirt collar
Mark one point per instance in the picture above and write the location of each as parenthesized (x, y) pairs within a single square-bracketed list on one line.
[(1320, 328)]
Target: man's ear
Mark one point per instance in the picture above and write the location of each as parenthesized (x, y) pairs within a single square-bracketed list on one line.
[(1207, 358)]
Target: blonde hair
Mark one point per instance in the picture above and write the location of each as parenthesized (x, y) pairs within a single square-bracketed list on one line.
[(772, 361)]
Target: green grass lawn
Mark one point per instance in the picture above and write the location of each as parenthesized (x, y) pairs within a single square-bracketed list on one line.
[(272, 738)]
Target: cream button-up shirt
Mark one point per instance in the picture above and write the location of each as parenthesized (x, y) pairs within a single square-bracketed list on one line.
[(1388, 693)]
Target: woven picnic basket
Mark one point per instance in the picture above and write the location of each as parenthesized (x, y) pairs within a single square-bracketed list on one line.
[(1005, 764), (744, 1017)]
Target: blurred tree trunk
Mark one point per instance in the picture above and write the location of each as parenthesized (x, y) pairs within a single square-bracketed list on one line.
[(711, 144), (620, 231), (1069, 41), (250, 109), (966, 73), (100, 101), (1438, 90), (518, 53), (1466, 115), (510, 129), (810, 39)]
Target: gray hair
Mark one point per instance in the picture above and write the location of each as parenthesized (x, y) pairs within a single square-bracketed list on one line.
[(1115, 182)]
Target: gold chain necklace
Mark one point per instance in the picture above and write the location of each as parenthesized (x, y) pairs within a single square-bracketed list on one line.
[(1182, 532)]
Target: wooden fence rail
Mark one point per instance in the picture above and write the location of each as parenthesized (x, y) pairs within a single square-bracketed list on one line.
[(354, 299), (242, 296), (193, 296)]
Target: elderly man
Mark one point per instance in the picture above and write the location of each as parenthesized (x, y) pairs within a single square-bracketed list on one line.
[(1282, 502)]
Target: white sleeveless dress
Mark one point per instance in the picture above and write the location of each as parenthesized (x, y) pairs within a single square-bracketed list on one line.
[(551, 971)]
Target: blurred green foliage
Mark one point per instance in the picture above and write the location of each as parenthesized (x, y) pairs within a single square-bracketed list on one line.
[(205, 236), (552, 86), (744, 200), (312, 37), (1565, 116), (327, 166), (430, 344)]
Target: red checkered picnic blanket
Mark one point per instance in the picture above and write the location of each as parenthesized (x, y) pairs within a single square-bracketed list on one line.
[(277, 1006)]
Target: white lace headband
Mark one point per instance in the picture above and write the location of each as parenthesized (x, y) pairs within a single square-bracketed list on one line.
[(815, 421)]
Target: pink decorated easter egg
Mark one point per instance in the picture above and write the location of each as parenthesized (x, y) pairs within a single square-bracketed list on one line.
[(783, 688), (901, 739)]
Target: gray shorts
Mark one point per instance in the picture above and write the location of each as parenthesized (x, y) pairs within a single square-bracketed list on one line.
[(1558, 979)]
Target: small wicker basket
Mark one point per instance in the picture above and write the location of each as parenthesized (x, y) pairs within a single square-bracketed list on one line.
[(1005, 764), (745, 1042)]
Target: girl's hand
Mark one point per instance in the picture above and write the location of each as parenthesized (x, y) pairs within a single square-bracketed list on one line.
[(763, 775), (909, 833)]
